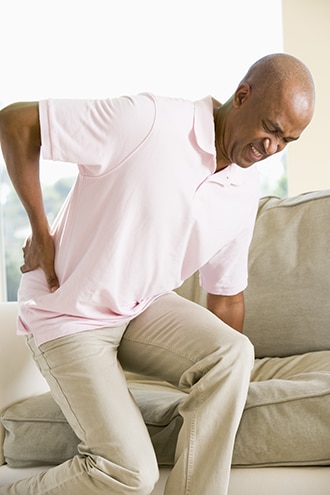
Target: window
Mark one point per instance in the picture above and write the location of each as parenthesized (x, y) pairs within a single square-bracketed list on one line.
[(94, 49), (14, 221)]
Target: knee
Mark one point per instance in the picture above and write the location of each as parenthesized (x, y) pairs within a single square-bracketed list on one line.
[(139, 479), (146, 480), (143, 481), (241, 348), (229, 351)]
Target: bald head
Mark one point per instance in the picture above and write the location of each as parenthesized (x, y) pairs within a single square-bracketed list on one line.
[(280, 73), (271, 107)]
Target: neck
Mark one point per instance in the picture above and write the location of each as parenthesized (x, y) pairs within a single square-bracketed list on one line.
[(220, 113)]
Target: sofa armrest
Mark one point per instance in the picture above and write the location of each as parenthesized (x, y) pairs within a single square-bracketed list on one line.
[(19, 376)]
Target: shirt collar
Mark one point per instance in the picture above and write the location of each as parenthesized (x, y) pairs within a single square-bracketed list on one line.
[(205, 137), (204, 125)]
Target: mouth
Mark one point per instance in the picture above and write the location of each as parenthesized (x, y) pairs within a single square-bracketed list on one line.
[(256, 155)]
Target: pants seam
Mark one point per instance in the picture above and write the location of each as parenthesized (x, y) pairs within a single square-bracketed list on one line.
[(167, 348), (50, 371)]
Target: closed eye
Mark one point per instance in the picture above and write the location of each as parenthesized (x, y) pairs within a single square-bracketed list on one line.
[(273, 128)]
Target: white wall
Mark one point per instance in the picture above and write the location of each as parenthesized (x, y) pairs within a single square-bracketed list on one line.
[(101, 48), (307, 36)]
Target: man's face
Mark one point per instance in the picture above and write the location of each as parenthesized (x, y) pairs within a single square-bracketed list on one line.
[(261, 127)]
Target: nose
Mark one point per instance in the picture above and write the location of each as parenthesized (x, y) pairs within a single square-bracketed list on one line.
[(274, 145)]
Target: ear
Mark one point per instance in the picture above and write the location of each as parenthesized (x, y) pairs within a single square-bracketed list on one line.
[(242, 93)]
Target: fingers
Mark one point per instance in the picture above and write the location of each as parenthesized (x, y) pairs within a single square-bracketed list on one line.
[(52, 282), (34, 258), (24, 268), (30, 261)]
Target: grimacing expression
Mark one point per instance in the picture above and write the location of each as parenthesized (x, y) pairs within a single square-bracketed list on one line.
[(263, 126)]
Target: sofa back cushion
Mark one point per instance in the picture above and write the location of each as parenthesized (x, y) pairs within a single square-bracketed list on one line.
[(288, 297)]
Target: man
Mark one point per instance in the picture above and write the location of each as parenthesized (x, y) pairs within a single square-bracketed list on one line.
[(165, 187)]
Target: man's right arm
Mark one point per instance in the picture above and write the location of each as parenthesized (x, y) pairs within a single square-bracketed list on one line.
[(20, 142)]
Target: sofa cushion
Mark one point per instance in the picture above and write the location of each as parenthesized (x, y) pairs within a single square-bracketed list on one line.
[(287, 299), (285, 422), (37, 433)]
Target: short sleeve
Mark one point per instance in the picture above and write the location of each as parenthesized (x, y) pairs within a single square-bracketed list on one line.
[(226, 273), (95, 134)]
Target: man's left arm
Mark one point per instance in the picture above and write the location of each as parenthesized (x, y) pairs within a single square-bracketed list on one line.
[(230, 309)]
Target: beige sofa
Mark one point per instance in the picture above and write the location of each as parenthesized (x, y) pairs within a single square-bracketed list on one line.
[(283, 443)]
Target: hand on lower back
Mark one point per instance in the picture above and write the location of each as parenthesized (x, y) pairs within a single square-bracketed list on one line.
[(41, 255)]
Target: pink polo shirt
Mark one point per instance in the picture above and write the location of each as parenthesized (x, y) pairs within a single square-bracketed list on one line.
[(146, 212)]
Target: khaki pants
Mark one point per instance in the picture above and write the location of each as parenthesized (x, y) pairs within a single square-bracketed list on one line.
[(174, 340)]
